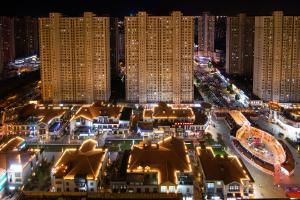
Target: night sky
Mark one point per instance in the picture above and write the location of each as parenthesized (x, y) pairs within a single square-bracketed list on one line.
[(155, 7)]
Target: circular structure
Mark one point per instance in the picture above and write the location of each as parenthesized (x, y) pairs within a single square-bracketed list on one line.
[(261, 144)]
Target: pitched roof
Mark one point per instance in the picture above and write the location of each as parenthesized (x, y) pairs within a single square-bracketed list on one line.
[(165, 111), (28, 112), (92, 111), (10, 154), (85, 162), (12, 144), (228, 169), (126, 114), (167, 157), (200, 117)]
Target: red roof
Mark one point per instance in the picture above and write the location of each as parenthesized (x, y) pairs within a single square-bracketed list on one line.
[(293, 194)]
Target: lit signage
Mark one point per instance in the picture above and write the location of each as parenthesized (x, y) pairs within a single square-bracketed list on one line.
[(16, 167)]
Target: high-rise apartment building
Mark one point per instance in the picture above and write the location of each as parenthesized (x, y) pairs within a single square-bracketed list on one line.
[(276, 74), (26, 36), (159, 58), (75, 61), (206, 34), (7, 46), (240, 45)]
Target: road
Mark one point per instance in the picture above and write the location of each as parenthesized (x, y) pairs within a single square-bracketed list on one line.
[(264, 184)]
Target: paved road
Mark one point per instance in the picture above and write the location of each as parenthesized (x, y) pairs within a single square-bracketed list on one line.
[(264, 183)]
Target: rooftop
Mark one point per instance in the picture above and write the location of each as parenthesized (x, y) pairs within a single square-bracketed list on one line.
[(228, 168), (200, 117), (99, 109), (206, 105), (292, 114), (145, 126), (166, 158), (126, 114), (12, 144), (84, 162), (12, 154), (165, 111), (32, 113)]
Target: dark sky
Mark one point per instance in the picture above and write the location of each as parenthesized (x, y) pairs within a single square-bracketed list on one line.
[(126, 7)]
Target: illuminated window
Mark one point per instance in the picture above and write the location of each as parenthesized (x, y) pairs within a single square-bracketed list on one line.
[(163, 188), (210, 185)]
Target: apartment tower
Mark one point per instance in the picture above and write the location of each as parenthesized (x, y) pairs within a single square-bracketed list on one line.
[(240, 45), (7, 46), (75, 61), (26, 36), (206, 34), (159, 58), (276, 75)]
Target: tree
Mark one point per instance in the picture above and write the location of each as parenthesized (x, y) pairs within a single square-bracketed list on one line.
[(237, 97)]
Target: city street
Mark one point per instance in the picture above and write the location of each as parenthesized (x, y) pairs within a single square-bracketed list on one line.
[(264, 186)]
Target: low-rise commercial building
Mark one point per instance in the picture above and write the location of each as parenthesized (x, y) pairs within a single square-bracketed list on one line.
[(16, 163), (98, 118), (224, 177), (34, 119), (163, 119), (162, 167), (79, 170), (287, 116)]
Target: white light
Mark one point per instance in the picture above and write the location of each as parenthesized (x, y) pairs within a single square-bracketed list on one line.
[(11, 187), (16, 167)]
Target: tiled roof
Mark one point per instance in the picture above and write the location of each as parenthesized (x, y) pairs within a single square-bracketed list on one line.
[(165, 111), (167, 157), (95, 110), (227, 169), (32, 113), (10, 154), (85, 161)]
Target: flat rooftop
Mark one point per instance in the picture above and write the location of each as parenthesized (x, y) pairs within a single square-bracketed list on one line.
[(227, 169), (165, 111), (166, 157), (99, 109), (83, 162)]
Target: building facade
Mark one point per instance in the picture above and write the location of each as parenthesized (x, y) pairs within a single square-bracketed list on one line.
[(26, 36), (7, 46), (159, 58), (17, 163), (75, 61), (206, 34), (240, 45), (277, 58), (71, 173), (224, 177)]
